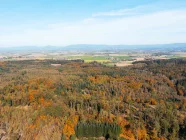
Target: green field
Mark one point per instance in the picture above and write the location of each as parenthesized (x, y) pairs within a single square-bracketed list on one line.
[(101, 59), (122, 57), (175, 56)]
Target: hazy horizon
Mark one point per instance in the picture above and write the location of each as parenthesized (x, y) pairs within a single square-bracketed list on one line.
[(83, 45)]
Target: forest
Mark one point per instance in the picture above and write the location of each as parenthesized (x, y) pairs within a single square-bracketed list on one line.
[(76, 100)]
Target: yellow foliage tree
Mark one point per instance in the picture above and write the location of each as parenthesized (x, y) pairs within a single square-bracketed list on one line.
[(70, 123)]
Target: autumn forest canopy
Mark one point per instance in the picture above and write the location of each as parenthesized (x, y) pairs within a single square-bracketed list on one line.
[(70, 99)]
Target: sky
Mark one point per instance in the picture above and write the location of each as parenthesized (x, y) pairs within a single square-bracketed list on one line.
[(111, 22)]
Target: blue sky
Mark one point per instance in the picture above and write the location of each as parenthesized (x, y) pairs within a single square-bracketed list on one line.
[(65, 22)]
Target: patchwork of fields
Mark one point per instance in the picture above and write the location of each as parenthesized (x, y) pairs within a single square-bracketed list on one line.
[(107, 60), (119, 59)]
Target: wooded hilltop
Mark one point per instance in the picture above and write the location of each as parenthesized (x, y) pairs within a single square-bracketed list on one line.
[(77, 100)]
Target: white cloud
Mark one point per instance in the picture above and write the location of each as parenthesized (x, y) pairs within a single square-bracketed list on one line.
[(123, 12), (154, 28), (143, 9)]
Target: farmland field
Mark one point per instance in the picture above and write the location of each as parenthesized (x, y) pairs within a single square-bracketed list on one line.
[(107, 60)]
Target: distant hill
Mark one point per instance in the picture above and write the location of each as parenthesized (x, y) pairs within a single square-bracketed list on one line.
[(92, 48), (89, 47)]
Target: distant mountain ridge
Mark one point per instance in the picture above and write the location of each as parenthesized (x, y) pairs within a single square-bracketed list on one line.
[(87, 47), (91, 47)]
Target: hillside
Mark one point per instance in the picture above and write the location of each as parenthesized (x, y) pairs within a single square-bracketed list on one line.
[(41, 101)]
